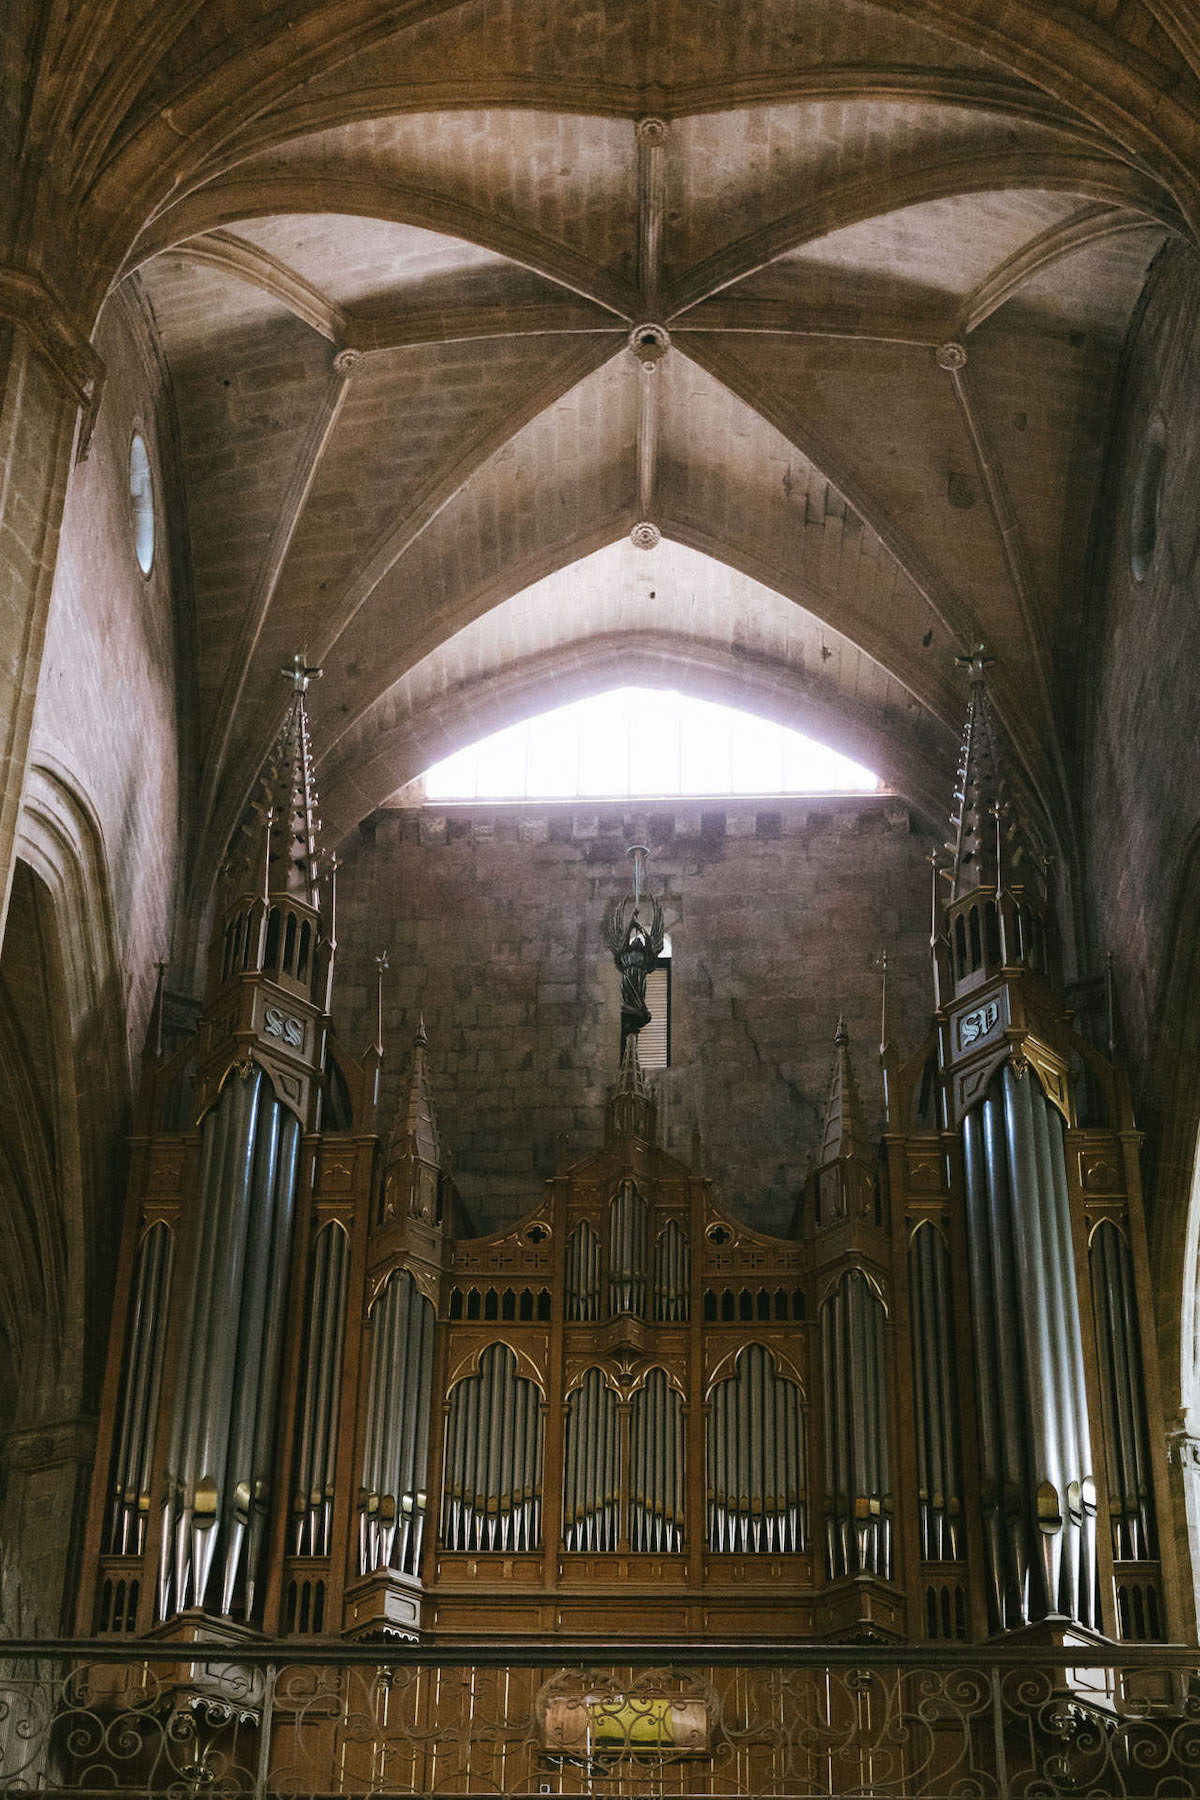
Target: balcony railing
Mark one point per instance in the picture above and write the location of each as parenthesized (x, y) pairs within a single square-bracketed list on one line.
[(788, 1721)]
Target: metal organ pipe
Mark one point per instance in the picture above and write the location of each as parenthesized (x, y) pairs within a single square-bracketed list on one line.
[(1122, 1396), (590, 1467), (493, 1459), (222, 1427), (672, 1275), (317, 1438), (133, 1454), (1034, 1426), (939, 1460), (392, 1501), (583, 1273), (627, 1258), (1080, 1491), (1050, 1415), (858, 1534), (260, 1348), (657, 1491), (756, 1476)]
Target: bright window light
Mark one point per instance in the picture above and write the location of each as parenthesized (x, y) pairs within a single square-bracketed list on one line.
[(643, 742)]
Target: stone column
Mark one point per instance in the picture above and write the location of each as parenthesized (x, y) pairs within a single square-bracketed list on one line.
[(1183, 1465), (48, 374), (47, 1472)]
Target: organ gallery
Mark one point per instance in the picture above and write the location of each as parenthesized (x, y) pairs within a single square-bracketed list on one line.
[(334, 1411)]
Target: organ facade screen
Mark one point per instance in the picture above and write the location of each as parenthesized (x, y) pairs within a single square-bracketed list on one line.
[(330, 1410)]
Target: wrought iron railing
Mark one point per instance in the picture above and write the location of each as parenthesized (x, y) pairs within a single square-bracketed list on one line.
[(551, 1717)]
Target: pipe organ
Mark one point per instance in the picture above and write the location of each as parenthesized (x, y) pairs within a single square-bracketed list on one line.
[(928, 1413)]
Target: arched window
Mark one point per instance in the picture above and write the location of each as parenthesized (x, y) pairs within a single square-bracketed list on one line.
[(643, 741)]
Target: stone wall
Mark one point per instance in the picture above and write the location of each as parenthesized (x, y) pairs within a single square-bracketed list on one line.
[(99, 827), (106, 717), (777, 913), (1142, 802)]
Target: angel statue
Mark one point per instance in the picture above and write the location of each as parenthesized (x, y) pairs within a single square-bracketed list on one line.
[(636, 947)]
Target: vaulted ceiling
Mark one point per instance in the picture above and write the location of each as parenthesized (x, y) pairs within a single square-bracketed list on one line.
[(766, 348)]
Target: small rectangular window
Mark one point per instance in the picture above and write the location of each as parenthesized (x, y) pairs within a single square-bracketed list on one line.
[(654, 1039)]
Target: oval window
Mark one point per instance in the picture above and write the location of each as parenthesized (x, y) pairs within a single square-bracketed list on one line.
[(1147, 499), (141, 502)]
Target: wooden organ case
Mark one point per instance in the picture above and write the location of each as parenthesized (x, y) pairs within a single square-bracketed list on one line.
[(930, 1414)]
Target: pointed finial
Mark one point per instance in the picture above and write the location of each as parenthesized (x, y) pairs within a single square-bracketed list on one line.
[(844, 1133), (381, 967), (978, 661), (422, 1036), (284, 808), (934, 859), (300, 673), (415, 1126), (268, 822), (333, 863), (631, 1081), (886, 1048), (884, 1033), (977, 789)]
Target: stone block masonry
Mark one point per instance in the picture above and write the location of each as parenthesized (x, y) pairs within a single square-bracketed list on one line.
[(491, 918)]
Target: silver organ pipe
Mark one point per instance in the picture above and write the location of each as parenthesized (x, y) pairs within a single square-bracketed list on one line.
[(757, 1498), (1122, 1396), (392, 1498), (224, 1409), (1037, 1488), (938, 1446), (858, 1521), (583, 1273), (317, 1434), (492, 1487), (133, 1453), (672, 1275), (260, 1351), (627, 1251), (656, 1490), (591, 1467)]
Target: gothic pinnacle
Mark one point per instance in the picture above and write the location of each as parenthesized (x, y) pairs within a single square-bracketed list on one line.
[(844, 1133)]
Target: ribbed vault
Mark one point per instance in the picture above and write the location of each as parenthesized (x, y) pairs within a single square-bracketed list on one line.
[(875, 264)]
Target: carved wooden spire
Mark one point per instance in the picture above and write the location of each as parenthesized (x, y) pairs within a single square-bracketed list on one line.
[(842, 1182), (631, 1110), (288, 798), (844, 1133), (277, 853), (412, 1183), (415, 1126), (977, 793), (989, 840)]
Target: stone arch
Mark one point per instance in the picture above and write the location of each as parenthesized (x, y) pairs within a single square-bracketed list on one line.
[(64, 1084), (59, 841), (1169, 1105), (35, 1295), (586, 666)]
